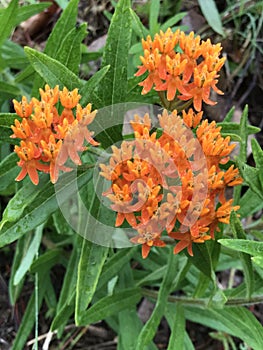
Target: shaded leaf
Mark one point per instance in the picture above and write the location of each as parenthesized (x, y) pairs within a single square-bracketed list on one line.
[(211, 14), (51, 70)]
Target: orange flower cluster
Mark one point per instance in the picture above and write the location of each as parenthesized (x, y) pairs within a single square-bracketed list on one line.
[(48, 138), (171, 184), (184, 66)]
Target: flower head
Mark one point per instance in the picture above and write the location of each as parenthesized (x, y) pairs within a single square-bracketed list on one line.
[(188, 73), (48, 138), (171, 185)]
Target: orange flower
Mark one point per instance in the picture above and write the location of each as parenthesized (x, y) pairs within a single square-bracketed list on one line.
[(158, 187), (49, 139), (188, 75)]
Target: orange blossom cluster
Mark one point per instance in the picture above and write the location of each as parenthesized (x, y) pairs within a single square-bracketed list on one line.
[(164, 185), (49, 138), (184, 66)]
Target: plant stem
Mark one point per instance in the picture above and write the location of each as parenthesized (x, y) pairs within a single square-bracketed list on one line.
[(204, 302)]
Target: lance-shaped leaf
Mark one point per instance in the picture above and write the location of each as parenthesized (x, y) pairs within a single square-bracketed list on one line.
[(51, 70), (39, 203), (7, 20), (110, 305), (114, 87), (90, 265)]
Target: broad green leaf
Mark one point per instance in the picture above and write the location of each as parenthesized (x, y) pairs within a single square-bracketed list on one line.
[(35, 211), (148, 331), (113, 88), (249, 203), (28, 319), (51, 70), (234, 128), (30, 255), (65, 24), (91, 56), (91, 261), (137, 25), (244, 134), (153, 18), (212, 15), (202, 259), (47, 260), (8, 171), (258, 157), (69, 52), (258, 260), (173, 20), (6, 120), (7, 19), (236, 321), (111, 305), (14, 56), (20, 251), (7, 90), (239, 232), (257, 153), (243, 245), (30, 10), (114, 264), (87, 90), (251, 177), (177, 326)]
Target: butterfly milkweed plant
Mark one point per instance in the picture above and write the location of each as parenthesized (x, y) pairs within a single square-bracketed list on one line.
[(121, 193)]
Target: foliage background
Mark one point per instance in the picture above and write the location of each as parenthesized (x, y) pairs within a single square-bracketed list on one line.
[(50, 276)]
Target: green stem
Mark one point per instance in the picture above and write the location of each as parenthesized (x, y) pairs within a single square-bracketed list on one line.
[(204, 302)]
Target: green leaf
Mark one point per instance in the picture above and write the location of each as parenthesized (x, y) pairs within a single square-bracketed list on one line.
[(251, 176), (6, 120), (7, 20), (111, 305), (137, 25), (114, 87), (173, 20), (65, 24), (258, 260), (153, 18), (8, 171), (8, 91), (20, 251), (114, 265), (90, 265), (14, 56), (30, 255), (238, 232), (69, 52), (30, 10), (28, 319), (234, 128), (47, 260), (202, 259), (209, 10), (243, 245), (150, 328), (236, 321), (51, 70), (38, 207), (257, 153), (249, 203), (177, 326), (87, 90)]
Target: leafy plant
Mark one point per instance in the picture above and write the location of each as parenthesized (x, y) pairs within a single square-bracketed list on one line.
[(66, 222)]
